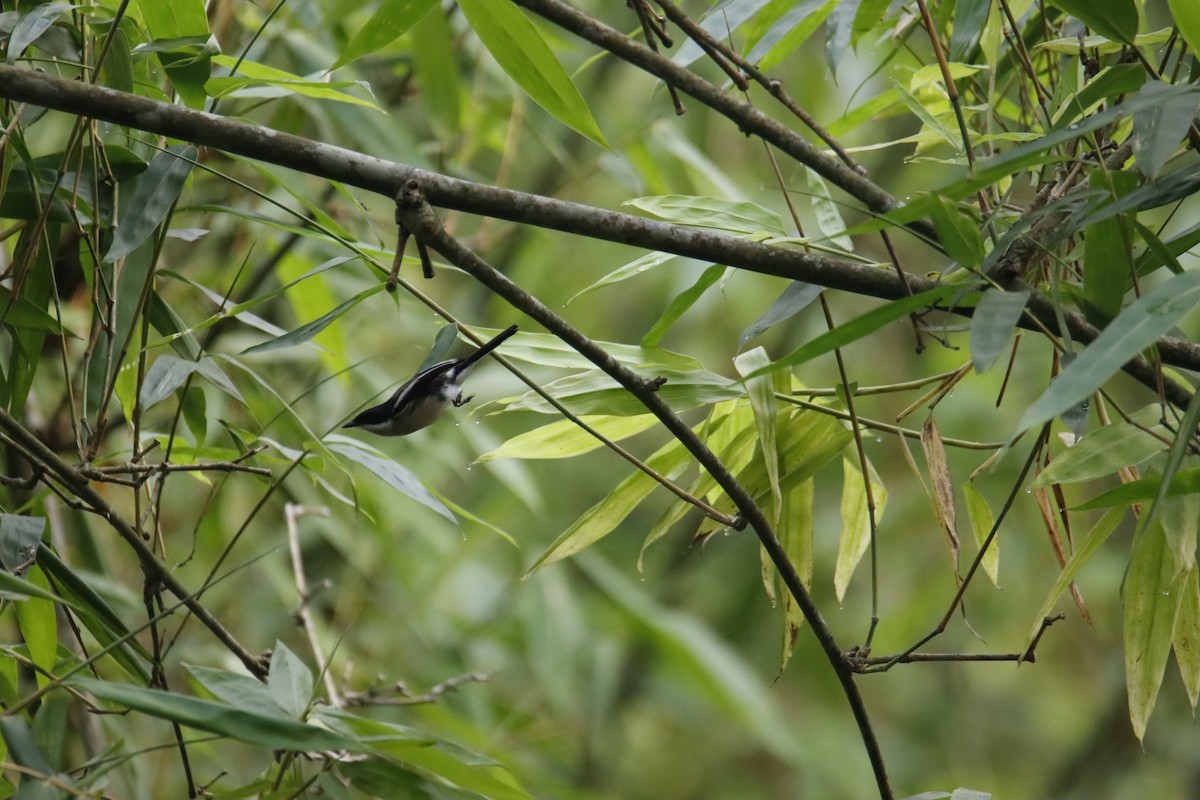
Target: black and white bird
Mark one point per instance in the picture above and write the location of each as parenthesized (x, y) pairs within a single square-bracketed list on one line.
[(421, 400)]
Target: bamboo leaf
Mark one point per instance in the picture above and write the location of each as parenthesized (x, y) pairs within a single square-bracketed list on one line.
[(246, 725), (1153, 593), (522, 53), (992, 325), (392, 18), (565, 439), (1134, 329), (156, 191), (711, 212)]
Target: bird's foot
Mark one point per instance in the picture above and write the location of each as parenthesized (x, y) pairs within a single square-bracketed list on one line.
[(460, 401)]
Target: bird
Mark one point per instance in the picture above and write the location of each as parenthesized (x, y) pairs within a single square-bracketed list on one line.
[(424, 396)]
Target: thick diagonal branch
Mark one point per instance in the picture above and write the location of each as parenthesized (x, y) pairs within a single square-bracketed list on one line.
[(387, 177), (424, 224)]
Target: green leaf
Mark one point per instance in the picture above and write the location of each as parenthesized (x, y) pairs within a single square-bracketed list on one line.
[(97, 616), (1187, 18), (1107, 251), (546, 350), (308, 330), (958, 233), (239, 690), (866, 324), (789, 32), (1153, 591), (155, 193), (636, 267), (290, 681), (1121, 444), (21, 313), (761, 391), (1027, 155), (602, 518), (281, 84), (595, 392), (970, 17), (565, 439), (982, 522), (1185, 481), (1159, 129), (1186, 639), (389, 471), (392, 18), (1115, 19), (856, 521), (31, 25), (825, 210), (469, 771), (1135, 329), (794, 299), (20, 536), (992, 325), (1119, 79), (169, 372), (681, 303), (711, 212), (1095, 537), (245, 725), (39, 626), (522, 53)]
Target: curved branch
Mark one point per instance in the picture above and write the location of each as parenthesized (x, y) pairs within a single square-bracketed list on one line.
[(422, 221), (387, 177)]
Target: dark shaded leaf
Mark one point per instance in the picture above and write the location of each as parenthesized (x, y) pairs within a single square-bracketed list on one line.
[(794, 299)]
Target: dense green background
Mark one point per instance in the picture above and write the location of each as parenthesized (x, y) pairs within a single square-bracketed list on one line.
[(603, 680)]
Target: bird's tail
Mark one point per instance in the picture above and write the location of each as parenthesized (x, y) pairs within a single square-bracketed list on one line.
[(486, 348)]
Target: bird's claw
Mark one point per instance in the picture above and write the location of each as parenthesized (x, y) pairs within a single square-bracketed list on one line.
[(460, 401)]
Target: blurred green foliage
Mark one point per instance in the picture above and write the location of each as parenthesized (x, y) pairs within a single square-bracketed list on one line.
[(167, 307)]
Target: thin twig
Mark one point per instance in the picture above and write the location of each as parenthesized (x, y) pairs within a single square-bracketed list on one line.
[(292, 514), (45, 458)]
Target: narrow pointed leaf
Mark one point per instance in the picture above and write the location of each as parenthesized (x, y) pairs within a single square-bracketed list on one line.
[(1135, 329), (1152, 599), (992, 325), (522, 53), (156, 192)]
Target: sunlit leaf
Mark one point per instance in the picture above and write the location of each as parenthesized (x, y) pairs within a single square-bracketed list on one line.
[(761, 391), (602, 518), (982, 522), (1187, 18), (392, 18), (1186, 640), (565, 439), (856, 533), (522, 53)]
